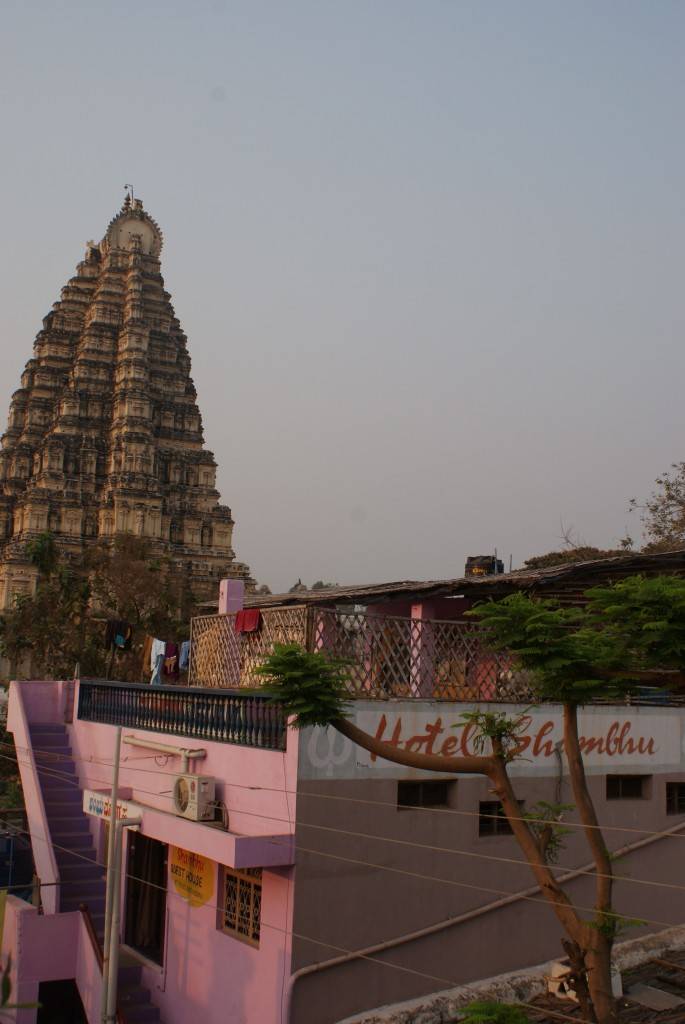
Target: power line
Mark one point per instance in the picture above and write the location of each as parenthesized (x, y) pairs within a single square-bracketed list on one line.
[(305, 938), (341, 949), (389, 839), (380, 867), (605, 827)]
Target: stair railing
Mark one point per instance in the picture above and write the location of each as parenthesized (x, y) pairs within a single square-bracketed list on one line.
[(41, 843), (95, 943)]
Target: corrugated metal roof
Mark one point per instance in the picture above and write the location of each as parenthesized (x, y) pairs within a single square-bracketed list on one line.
[(559, 578)]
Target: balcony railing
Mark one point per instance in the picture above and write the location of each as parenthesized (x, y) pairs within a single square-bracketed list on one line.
[(248, 720), (387, 657)]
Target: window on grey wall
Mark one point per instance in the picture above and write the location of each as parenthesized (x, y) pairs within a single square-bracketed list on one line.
[(427, 793), (492, 821), (628, 787), (675, 798)]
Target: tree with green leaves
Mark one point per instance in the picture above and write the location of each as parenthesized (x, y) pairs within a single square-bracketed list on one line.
[(625, 633), (663, 513), (62, 624), (50, 625)]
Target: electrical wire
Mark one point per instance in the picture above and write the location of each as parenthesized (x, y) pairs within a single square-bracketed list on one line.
[(562, 868), (367, 864), (328, 945), (602, 826)]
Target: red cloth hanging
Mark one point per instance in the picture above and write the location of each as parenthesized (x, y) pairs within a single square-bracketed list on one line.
[(248, 620)]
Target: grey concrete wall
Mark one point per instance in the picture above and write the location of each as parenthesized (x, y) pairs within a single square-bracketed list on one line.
[(354, 845)]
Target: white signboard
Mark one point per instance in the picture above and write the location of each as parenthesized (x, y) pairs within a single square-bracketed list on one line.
[(612, 739), (99, 805)]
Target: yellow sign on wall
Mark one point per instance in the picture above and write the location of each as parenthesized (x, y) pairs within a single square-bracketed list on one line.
[(193, 876)]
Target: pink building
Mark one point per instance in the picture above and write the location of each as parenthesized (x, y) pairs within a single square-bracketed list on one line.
[(326, 882)]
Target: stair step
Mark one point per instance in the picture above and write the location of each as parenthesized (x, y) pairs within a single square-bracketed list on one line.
[(68, 794), (66, 827), (69, 849), (135, 1014), (130, 975), (51, 760), (53, 785), (72, 840), (67, 798), (53, 779), (85, 871), (54, 751), (132, 994), (95, 904), (81, 892), (47, 727), (48, 739), (70, 819)]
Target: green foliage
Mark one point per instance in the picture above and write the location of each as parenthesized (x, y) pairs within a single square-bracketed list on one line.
[(131, 583), (43, 553), (544, 820), (495, 729), (645, 616), (551, 642), (51, 624), (575, 654), (489, 1012), (61, 624), (575, 553), (611, 925), (6, 991), (308, 685), (663, 514)]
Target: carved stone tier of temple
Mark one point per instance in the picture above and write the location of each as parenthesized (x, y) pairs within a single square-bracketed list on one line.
[(104, 435)]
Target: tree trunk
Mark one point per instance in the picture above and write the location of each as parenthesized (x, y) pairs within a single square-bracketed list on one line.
[(598, 964), (592, 946), (599, 937)]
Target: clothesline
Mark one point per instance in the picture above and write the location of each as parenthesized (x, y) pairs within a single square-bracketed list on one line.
[(164, 657)]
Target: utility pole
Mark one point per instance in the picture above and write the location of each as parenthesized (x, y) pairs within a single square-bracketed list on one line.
[(111, 847), (113, 964)]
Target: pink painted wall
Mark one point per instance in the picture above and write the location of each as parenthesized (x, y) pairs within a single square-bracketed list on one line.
[(207, 974), (217, 977), (442, 608), (50, 947)]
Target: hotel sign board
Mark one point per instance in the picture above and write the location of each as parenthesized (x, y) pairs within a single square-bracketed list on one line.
[(613, 739), (99, 805)]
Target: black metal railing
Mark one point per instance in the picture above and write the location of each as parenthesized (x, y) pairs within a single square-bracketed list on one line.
[(248, 720)]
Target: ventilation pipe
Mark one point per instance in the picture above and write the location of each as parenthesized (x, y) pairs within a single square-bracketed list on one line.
[(184, 753)]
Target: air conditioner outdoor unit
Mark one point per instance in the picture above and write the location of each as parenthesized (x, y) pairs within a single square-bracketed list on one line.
[(194, 797)]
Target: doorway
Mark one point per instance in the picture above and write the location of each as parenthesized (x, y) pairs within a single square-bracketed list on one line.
[(60, 1003), (146, 896)]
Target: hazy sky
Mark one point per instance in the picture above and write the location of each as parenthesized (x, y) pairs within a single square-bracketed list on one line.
[(428, 255)]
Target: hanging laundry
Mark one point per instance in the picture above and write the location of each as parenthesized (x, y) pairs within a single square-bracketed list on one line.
[(184, 656), (157, 671), (158, 648), (118, 633), (171, 659), (248, 620), (147, 655)]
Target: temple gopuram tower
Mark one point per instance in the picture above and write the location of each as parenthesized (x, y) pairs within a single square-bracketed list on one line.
[(104, 435)]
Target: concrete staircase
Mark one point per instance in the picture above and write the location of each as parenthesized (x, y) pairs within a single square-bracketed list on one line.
[(82, 879)]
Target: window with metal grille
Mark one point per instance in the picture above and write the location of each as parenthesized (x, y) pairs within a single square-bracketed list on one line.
[(242, 904), (675, 798), (492, 820), (429, 793), (627, 787)]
